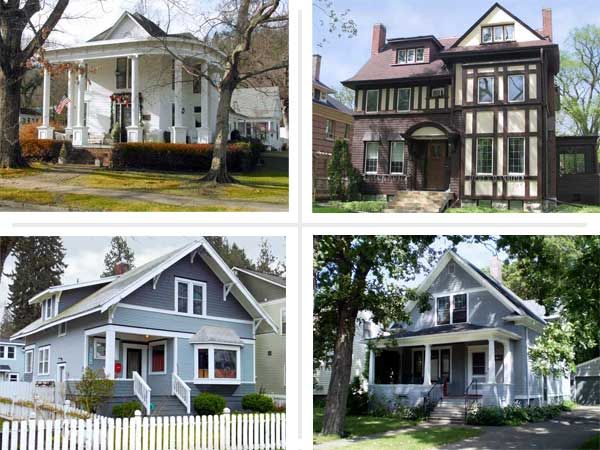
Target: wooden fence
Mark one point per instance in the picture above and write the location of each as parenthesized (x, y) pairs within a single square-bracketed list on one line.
[(30, 391), (12, 409), (224, 432)]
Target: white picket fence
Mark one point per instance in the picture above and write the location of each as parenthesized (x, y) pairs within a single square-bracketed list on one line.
[(224, 432), (19, 410), (24, 390)]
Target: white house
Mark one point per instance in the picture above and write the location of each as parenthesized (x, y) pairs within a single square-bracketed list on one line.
[(127, 76)]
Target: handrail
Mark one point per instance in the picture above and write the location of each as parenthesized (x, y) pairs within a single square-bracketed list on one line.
[(467, 404), (142, 391), (182, 391), (428, 403)]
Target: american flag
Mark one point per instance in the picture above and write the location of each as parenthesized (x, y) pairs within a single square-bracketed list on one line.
[(61, 105)]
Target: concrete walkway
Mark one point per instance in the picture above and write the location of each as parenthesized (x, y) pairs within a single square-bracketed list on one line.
[(58, 182), (567, 432)]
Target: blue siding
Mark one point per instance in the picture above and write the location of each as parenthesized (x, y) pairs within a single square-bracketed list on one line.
[(72, 296)]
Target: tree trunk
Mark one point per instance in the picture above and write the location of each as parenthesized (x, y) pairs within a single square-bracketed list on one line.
[(341, 369), (218, 169), (10, 105)]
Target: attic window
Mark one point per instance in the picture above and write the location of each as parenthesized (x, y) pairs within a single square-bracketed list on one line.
[(451, 268), (410, 55), (498, 33)]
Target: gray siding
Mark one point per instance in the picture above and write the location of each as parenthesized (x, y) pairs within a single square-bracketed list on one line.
[(261, 290), (16, 365), (453, 282), (72, 296)]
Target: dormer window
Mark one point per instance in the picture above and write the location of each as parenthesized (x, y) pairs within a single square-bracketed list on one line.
[(410, 55), (49, 308), (498, 33)]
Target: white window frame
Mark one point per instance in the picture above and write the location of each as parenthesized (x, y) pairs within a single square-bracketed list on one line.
[(41, 350), (4, 352), (59, 366), (190, 299), (494, 28), (476, 349), (438, 89), (477, 157), (367, 110), (99, 340), (423, 54), (392, 160), (211, 364), (29, 360), (144, 349), (64, 331), (491, 35), (150, 347), (522, 139), (513, 32), (367, 157), (451, 297), (523, 93), (11, 374), (409, 99), (400, 50), (414, 55), (493, 88)]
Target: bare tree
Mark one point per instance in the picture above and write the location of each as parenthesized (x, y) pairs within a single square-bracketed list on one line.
[(16, 52)]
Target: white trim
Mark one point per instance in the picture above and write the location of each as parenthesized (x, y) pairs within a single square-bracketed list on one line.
[(19, 334), (144, 351), (136, 330), (156, 344), (276, 301), (60, 365), (226, 289), (190, 296), (10, 374), (40, 350), (65, 331), (367, 157), (476, 349), (31, 352), (5, 348), (447, 338), (403, 155), (526, 321), (211, 364), (238, 269), (409, 89), (282, 311), (451, 307), (98, 340), (175, 313), (175, 355)]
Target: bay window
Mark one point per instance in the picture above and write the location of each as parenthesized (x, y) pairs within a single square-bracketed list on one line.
[(217, 364), (190, 297)]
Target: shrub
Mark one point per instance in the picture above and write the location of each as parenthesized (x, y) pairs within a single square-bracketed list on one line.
[(258, 403), (241, 156), (93, 389), (515, 415), (344, 181), (208, 404), (29, 131), (486, 416), (567, 405), (43, 150), (126, 409), (358, 399)]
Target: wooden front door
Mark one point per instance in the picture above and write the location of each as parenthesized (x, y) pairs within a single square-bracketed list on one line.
[(435, 175)]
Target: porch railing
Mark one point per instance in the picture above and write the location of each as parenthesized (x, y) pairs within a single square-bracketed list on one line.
[(142, 391), (431, 399), (471, 398), (182, 391)]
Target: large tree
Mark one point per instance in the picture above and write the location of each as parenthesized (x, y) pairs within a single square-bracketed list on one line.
[(16, 51), (352, 274), (38, 265), (119, 252), (232, 254), (579, 81), (267, 262)]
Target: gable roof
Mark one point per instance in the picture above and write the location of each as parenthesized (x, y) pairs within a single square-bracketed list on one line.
[(487, 13), (273, 279), (38, 298), (507, 297), (123, 285)]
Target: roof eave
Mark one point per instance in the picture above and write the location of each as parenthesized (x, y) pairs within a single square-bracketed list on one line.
[(357, 83)]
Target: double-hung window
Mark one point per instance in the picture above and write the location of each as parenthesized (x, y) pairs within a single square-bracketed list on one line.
[(329, 129), (443, 310), (516, 155), (397, 157), (485, 157), (401, 56), (372, 100), (485, 90), (7, 352), (516, 88), (371, 157), (29, 361), (451, 309), (404, 99), (44, 361), (190, 297), (49, 307), (217, 364)]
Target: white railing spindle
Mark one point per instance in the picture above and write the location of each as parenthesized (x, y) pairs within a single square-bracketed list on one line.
[(182, 391), (142, 391)]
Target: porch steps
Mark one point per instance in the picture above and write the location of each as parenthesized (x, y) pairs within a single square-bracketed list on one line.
[(167, 405), (420, 202), (450, 410)]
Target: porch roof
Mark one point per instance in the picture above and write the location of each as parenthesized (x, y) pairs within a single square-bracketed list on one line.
[(209, 334)]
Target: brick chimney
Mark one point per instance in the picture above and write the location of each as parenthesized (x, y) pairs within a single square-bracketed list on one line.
[(378, 41), (121, 267), (496, 268), (317, 67), (547, 23)]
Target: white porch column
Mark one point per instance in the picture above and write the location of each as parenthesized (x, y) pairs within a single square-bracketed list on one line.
[(71, 104), (80, 134), (508, 362), (134, 131), (371, 366), (46, 131), (109, 361), (427, 365), (491, 378), (178, 132), (204, 132)]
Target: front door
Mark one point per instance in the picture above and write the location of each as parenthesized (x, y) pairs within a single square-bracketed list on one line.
[(123, 116), (435, 175), (134, 362)]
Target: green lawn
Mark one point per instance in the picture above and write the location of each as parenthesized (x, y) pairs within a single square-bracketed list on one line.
[(350, 207), (358, 425), (591, 444), (418, 440), (576, 209), (483, 209)]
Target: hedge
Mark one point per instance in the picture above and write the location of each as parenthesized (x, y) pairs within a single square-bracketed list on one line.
[(126, 409), (515, 414), (241, 156), (44, 150), (258, 403), (209, 404)]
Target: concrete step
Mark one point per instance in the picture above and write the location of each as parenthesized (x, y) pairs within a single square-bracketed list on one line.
[(420, 201), (167, 406)]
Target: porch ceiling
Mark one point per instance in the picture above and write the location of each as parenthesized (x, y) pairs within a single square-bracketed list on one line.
[(439, 335)]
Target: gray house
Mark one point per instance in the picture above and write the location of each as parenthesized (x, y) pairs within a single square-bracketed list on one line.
[(587, 382), (473, 341), (165, 331), (12, 360)]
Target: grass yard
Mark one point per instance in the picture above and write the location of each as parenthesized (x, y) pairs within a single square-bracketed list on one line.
[(591, 444), (576, 209), (350, 207), (483, 209), (418, 440), (358, 425)]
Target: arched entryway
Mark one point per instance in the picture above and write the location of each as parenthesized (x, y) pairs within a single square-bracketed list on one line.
[(431, 152)]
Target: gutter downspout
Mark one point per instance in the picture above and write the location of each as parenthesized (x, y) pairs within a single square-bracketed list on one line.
[(527, 363)]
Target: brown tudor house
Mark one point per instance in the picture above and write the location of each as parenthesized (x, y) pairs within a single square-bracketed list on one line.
[(472, 116)]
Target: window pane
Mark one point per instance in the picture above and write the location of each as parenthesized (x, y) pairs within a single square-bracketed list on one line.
[(516, 92), (397, 157), (486, 90), (202, 363), (443, 310), (372, 156), (459, 314), (121, 73), (2, 354), (478, 363), (198, 290), (445, 369), (225, 364), (401, 56), (182, 297), (372, 100), (420, 54), (580, 162), (404, 99), (498, 34), (484, 156), (516, 155), (158, 358), (329, 128), (410, 55), (486, 34), (11, 352), (509, 32), (100, 348)]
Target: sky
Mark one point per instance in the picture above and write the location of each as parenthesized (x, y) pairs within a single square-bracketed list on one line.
[(85, 255), (343, 57)]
